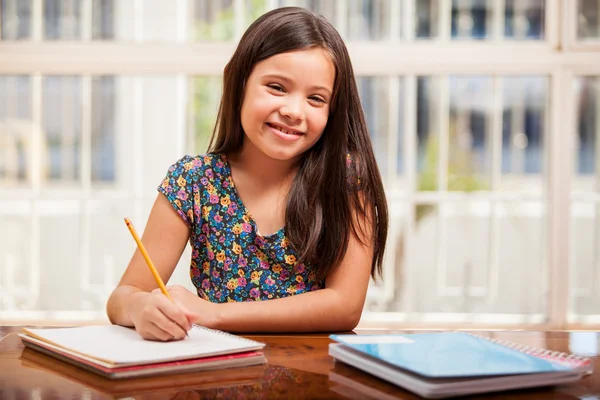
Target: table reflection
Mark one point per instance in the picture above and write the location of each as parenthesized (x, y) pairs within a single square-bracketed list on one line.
[(298, 367)]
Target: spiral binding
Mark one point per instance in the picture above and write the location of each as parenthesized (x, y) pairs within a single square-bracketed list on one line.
[(222, 333), (569, 360)]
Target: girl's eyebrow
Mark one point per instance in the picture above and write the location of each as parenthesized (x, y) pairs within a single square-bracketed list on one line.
[(289, 81)]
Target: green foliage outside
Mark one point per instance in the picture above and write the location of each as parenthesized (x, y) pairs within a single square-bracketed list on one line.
[(462, 176), (207, 94), (207, 89)]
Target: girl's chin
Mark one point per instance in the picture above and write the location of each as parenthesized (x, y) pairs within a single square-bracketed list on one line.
[(280, 155)]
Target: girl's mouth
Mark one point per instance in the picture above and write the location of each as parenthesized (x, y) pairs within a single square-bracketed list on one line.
[(283, 130)]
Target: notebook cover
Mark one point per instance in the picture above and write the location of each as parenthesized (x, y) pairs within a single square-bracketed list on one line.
[(122, 346), (437, 388), (156, 387), (184, 366), (447, 354)]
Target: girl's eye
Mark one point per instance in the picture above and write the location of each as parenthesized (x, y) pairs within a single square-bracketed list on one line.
[(276, 87), (317, 99)]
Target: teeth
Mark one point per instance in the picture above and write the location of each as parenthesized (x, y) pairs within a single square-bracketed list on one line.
[(284, 130)]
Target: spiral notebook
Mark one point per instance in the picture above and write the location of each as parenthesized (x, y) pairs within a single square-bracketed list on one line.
[(140, 386), (117, 352), (439, 365)]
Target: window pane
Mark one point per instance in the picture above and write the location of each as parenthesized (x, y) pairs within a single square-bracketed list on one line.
[(469, 145), (469, 141), (585, 211), (463, 274), (326, 8), (103, 139), (16, 130), (521, 234), (137, 130), (587, 95), (374, 95), (471, 19), (369, 20), (524, 19), (399, 128), (425, 255), (213, 20), (15, 19), (588, 19), (428, 128), (525, 115), (62, 19), (254, 9), (427, 19), (109, 251), (493, 276), (585, 246), (363, 19), (476, 19), (60, 250), (61, 97), (15, 254), (103, 19), (206, 95), (60, 134)]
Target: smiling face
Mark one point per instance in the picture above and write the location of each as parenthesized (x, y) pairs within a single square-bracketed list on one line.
[(286, 103)]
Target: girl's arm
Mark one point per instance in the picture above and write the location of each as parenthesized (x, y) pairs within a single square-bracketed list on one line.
[(164, 237), (337, 307)]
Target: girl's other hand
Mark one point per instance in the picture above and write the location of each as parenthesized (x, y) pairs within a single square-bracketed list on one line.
[(155, 317)]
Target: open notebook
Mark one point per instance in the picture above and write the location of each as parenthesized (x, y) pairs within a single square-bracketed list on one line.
[(117, 352), (439, 365)]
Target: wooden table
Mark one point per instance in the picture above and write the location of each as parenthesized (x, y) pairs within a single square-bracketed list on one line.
[(298, 367)]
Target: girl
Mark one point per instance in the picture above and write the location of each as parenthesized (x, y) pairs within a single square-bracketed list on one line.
[(287, 208)]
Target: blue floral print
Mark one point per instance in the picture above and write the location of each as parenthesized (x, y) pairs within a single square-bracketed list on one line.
[(231, 261)]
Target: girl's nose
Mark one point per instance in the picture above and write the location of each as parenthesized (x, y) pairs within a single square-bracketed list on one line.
[(292, 110)]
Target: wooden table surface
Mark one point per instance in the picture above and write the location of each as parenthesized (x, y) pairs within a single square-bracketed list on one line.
[(298, 367)]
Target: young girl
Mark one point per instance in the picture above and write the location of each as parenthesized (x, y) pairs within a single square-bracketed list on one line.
[(286, 215)]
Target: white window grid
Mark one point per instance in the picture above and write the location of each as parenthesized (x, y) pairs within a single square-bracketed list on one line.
[(559, 57), (569, 33)]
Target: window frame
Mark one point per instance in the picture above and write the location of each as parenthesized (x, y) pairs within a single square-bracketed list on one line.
[(558, 56)]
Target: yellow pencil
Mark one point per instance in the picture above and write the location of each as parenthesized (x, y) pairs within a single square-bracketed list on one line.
[(157, 277)]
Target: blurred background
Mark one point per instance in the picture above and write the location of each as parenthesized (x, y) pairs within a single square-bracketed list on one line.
[(484, 116)]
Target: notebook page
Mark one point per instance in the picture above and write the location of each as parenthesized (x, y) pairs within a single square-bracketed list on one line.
[(117, 345)]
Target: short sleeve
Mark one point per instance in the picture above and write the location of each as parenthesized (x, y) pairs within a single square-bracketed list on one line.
[(178, 186)]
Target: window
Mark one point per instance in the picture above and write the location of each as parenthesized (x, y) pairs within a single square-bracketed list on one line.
[(483, 119)]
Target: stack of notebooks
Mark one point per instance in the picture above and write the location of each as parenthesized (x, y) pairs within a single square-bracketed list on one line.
[(440, 365), (116, 352)]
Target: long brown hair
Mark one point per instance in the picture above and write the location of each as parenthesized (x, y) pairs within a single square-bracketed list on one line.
[(323, 208)]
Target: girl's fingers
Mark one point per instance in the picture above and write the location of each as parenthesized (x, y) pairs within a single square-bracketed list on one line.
[(164, 322), (155, 332), (176, 314)]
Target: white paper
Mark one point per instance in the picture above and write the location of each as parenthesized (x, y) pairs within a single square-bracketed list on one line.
[(117, 344)]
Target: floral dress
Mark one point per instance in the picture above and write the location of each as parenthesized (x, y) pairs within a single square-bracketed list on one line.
[(231, 261)]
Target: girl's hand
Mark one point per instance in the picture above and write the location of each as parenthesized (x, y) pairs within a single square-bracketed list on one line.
[(155, 317), (204, 312)]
